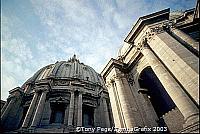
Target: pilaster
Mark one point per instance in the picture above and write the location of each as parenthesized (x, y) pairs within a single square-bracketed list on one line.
[(30, 111), (80, 102), (125, 101), (106, 113), (71, 110), (39, 109), (113, 101)]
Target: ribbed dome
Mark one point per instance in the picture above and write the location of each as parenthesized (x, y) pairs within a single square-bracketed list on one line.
[(67, 69)]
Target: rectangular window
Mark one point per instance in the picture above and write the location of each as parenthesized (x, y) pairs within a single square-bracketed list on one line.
[(88, 116), (57, 114)]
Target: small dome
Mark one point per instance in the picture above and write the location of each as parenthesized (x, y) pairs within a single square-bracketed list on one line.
[(71, 69)]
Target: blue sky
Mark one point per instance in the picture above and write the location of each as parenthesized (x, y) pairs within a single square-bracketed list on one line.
[(35, 33)]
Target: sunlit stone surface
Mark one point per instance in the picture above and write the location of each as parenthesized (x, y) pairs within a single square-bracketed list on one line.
[(153, 85)]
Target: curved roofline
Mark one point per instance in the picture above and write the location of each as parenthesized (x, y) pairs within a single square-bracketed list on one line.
[(75, 70)]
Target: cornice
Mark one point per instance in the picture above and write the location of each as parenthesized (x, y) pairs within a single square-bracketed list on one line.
[(110, 65), (145, 20)]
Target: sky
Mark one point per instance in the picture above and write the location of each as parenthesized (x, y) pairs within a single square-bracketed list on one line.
[(36, 33)]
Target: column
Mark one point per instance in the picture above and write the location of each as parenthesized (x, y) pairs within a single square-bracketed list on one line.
[(106, 113), (125, 102), (182, 101), (79, 122), (114, 105), (179, 60), (38, 112), (30, 111), (186, 38), (71, 110), (7, 109)]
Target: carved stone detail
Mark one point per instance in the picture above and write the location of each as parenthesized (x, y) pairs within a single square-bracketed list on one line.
[(59, 93), (59, 100), (89, 86), (61, 83), (108, 84), (41, 88), (90, 102), (130, 78), (116, 76)]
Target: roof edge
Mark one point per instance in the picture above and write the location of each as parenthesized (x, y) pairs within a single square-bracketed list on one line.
[(144, 20)]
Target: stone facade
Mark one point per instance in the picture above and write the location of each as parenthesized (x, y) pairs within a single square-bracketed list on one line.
[(57, 99), (154, 83)]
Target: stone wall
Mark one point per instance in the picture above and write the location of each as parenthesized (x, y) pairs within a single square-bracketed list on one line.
[(174, 120)]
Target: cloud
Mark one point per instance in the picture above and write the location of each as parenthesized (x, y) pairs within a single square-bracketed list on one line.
[(15, 52), (80, 36), (8, 83), (53, 30), (17, 47)]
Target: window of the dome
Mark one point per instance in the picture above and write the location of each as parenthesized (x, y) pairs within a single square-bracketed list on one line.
[(57, 114), (88, 116)]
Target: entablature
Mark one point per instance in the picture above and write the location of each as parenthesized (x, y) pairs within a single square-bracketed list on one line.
[(113, 63), (146, 20)]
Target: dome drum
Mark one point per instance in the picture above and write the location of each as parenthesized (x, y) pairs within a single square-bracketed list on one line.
[(60, 96)]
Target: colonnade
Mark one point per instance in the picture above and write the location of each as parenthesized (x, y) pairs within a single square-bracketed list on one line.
[(119, 94), (35, 111), (68, 120), (122, 101), (180, 98)]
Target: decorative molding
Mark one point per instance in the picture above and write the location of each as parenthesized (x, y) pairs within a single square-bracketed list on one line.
[(130, 78), (105, 95), (41, 88), (77, 83), (45, 81), (59, 99), (90, 102), (61, 83), (58, 93), (17, 89), (162, 27), (154, 30), (16, 93), (119, 76), (89, 86), (147, 20), (113, 63), (108, 84)]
